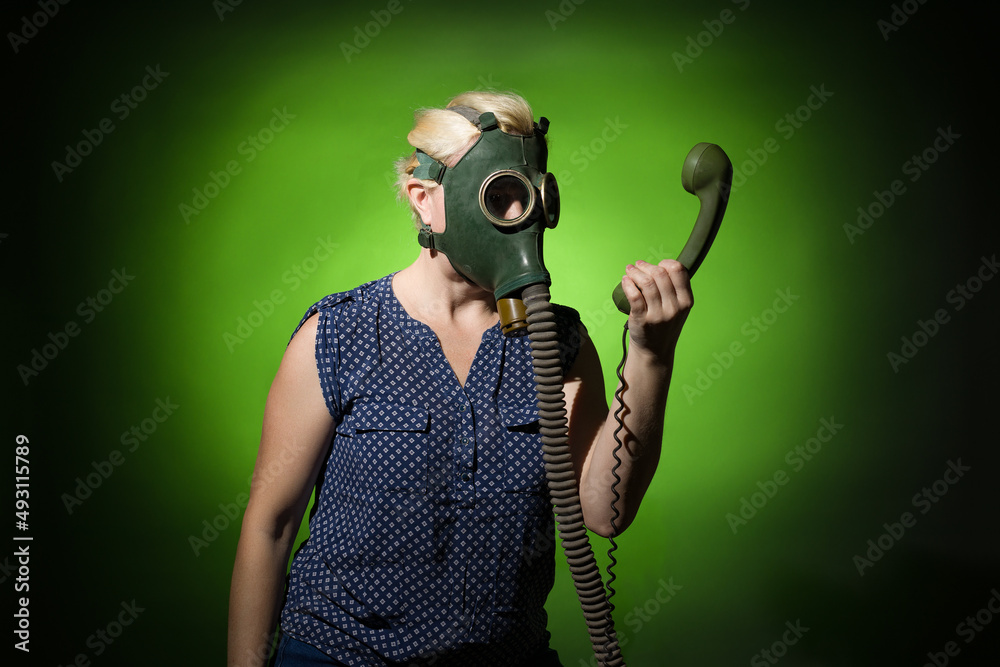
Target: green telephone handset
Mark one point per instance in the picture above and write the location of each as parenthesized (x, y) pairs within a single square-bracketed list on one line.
[(707, 173)]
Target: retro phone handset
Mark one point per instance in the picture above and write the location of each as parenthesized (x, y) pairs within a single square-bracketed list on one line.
[(499, 199), (707, 174)]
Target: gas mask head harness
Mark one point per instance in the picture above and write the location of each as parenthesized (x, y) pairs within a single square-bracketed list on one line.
[(499, 199)]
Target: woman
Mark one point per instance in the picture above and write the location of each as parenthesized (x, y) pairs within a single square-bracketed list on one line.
[(414, 418)]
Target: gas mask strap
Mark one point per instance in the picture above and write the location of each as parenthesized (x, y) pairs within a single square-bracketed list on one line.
[(425, 237), (468, 113), (487, 121), (428, 168)]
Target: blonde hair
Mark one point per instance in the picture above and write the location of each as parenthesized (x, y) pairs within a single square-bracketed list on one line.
[(444, 135)]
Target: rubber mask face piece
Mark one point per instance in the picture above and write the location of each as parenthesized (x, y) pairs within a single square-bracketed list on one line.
[(498, 201)]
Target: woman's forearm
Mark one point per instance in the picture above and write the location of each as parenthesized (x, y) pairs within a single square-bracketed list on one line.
[(647, 381), (256, 595)]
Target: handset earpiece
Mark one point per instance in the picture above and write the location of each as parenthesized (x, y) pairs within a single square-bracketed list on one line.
[(708, 174)]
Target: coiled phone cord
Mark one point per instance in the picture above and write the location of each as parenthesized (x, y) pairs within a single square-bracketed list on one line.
[(561, 477), (620, 426), (708, 174)]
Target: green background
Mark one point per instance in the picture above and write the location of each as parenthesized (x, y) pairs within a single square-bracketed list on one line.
[(624, 115)]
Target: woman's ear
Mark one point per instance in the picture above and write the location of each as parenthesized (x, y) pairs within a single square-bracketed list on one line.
[(423, 202), (418, 196)]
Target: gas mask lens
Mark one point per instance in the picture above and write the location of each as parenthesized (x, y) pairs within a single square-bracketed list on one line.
[(508, 198)]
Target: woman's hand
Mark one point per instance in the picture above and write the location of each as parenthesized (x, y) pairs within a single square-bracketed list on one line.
[(660, 297)]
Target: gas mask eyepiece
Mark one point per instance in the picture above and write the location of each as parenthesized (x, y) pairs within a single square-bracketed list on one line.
[(508, 199)]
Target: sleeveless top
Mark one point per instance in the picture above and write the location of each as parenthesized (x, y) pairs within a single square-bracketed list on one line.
[(431, 540)]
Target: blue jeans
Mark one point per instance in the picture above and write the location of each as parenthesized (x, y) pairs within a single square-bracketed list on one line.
[(294, 653)]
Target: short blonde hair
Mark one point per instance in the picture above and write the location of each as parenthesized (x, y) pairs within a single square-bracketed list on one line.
[(444, 134)]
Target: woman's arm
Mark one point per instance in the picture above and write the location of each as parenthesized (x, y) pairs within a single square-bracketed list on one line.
[(296, 433), (660, 297)]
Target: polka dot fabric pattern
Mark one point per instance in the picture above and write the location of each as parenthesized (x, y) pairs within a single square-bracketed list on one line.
[(432, 537)]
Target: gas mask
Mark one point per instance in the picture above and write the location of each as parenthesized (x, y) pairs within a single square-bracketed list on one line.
[(499, 199)]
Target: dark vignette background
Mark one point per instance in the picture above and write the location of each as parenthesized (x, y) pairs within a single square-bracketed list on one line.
[(606, 75)]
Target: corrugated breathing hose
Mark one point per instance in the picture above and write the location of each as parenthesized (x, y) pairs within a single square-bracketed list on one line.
[(561, 477)]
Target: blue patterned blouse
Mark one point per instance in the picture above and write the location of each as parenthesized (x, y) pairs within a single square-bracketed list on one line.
[(431, 540)]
